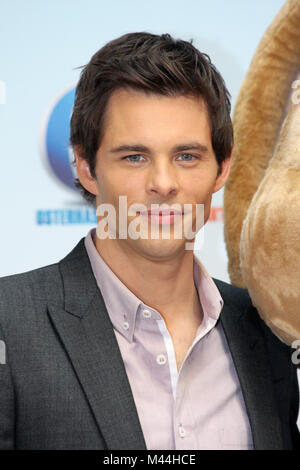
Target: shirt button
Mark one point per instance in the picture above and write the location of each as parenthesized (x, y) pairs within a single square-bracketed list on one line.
[(182, 432), (125, 325), (161, 359), (147, 313)]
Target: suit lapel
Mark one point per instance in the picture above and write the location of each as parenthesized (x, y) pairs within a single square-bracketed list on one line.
[(250, 358), (85, 329)]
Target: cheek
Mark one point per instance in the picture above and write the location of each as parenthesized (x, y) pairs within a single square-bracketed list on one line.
[(111, 186), (200, 188)]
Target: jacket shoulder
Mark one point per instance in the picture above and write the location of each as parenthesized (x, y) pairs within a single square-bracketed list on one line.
[(276, 353), (23, 291), (25, 296)]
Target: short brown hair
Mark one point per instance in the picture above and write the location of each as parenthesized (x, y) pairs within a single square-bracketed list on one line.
[(151, 63)]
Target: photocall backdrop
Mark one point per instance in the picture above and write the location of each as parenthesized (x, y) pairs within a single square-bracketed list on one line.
[(41, 44)]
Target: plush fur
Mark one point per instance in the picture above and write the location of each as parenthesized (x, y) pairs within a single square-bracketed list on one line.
[(270, 247), (258, 115), (263, 191)]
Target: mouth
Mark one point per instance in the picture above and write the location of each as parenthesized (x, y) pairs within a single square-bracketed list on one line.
[(162, 216), (161, 212)]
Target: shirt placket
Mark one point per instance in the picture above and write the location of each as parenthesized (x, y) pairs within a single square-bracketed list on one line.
[(183, 423)]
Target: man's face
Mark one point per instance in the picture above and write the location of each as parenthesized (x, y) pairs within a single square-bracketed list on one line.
[(157, 172)]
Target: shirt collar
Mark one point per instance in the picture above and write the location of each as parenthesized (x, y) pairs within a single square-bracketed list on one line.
[(123, 306)]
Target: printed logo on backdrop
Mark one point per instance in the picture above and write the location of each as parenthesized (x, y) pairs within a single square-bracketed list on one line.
[(58, 155), (58, 152)]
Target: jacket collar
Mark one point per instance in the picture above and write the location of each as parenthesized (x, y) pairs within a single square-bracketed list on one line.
[(85, 330)]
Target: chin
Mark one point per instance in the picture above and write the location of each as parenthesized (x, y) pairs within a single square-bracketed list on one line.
[(159, 248)]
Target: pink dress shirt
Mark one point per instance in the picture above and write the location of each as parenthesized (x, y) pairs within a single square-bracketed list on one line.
[(199, 407)]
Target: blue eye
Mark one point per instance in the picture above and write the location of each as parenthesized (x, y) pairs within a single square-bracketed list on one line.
[(189, 155), (132, 156)]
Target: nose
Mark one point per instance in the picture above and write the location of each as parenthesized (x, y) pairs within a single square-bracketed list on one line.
[(162, 179)]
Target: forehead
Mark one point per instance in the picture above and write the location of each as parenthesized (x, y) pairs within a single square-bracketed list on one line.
[(132, 113)]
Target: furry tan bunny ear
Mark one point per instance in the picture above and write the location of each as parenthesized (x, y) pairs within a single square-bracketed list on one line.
[(259, 112), (270, 238)]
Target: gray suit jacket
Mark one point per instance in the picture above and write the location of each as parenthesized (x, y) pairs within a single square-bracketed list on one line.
[(64, 384)]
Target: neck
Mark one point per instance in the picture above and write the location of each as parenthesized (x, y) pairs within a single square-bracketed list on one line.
[(164, 284)]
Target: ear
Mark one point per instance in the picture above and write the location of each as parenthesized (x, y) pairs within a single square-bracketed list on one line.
[(83, 171), (223, 173)]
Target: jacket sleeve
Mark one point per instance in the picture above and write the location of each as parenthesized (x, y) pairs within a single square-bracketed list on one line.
[(294, 413), (7, 412)]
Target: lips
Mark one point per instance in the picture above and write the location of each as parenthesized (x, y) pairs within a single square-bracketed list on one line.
[(161, 212)]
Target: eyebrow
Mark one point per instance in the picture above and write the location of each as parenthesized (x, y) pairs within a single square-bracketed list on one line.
[(177, 148)]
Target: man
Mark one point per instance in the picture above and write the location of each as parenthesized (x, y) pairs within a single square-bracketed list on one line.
[(127, 343)]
